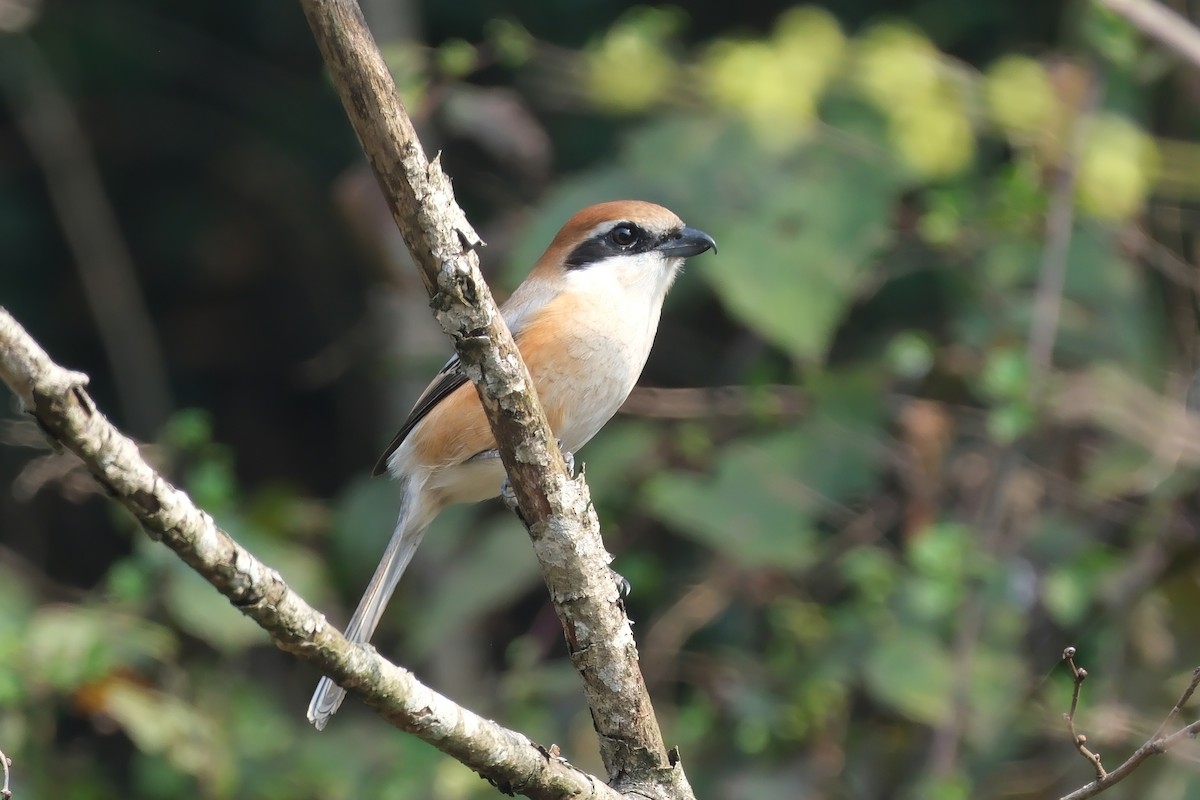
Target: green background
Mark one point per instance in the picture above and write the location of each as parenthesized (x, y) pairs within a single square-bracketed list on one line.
[(855, 560)]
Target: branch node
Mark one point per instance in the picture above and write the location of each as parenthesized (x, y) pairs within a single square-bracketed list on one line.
[(470, 241), (1078, 675)]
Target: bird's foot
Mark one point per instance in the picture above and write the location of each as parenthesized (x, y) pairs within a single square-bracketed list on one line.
[(568, 457), (624, 587), (509, 498)]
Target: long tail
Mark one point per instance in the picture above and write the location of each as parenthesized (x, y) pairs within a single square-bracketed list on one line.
[(410, 529)]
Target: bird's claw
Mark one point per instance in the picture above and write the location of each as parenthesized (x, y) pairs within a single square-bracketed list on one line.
[(624, 587), (569, 458), (509, 497)]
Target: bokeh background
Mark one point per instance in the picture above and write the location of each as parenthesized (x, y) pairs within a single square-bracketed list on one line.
[(921, 424)]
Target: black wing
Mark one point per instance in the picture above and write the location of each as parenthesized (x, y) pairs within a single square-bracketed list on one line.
[(448, 379)]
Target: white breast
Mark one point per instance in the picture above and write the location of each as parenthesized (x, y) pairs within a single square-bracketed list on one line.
[(615, 307)]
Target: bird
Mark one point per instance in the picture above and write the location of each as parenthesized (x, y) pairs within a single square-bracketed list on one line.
[(584, 321)]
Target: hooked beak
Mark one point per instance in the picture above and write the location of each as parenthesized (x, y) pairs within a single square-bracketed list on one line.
[(687, 242)]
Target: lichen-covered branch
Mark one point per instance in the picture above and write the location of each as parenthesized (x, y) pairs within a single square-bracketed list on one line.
[(558, 510), (58, 400)]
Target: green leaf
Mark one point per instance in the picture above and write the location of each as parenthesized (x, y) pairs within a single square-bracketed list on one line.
[(911, 671), (761, 505), (910, 354), (625, 449), (1069, 591), (364, 517), (942, 550), (1006, 374), (188, 429), (160, 723), (798, 231), (496, 569), (754, 510), (1010, 422), (841, 446), (456, 58), (197, 608), (67, 646), (796, 260)]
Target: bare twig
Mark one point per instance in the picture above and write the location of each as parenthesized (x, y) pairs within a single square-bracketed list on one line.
[(1161, 24), (557, 508), (1116, 402), (6, 762), (1079, 675), (56, 397), (1052, 274), (1161, 257), (1179, 704), (59, 146), (697, 608), (1156, 744), (991, 522), (1043, 331), (717, 401)]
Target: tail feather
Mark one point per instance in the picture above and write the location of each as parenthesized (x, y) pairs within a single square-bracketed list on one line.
[(410, 529)]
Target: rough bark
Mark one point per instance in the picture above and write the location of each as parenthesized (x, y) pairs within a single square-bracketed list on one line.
[(59, 402), (557, 508)]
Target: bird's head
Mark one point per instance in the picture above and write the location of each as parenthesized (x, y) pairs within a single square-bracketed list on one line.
[(634, 242)]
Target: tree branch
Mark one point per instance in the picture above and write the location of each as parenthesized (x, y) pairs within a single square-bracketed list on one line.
[(1079, 675), (1162, 24), (57, 399), (1156, 744), (557, 508)]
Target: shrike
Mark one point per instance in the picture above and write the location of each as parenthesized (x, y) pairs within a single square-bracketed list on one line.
[(584, 321)]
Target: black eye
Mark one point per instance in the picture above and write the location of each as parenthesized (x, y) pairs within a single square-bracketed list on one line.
[(623, 235)]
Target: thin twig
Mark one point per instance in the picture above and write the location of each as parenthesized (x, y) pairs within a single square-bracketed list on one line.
[(1079, 675), (1052, 274), (716, 401), (1161, 24), (1047, 303), (1153, 746), (1179, 704), (991, 522), (1162, 258)]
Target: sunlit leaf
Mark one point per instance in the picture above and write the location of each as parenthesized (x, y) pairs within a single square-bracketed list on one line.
[(161, 723), (911, 672), (754, 509), (497, 569), (67, 645), (790, 269)]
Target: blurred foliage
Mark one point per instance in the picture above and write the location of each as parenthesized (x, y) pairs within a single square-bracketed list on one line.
[(865, 599)]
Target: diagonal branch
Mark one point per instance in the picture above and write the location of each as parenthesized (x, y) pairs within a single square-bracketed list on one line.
[(1162, 24), (1156, 744), (562, 523), (57, 399)]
